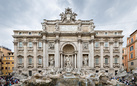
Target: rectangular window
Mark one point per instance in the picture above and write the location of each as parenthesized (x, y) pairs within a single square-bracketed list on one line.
[(20, 44), (132, 63), (20, 60), (40, 61), (131, 48), (106, 60), (30, 44), (131, 55), (6, 57), (106, 44), (106, 33), (12, 57), (115, 33), (40, 44), (115, 60), (97, 60), (131, 40), (12, 62), (30, 60), (12, 68), (96, 44)]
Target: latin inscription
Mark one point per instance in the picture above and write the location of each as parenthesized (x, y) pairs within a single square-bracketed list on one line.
[(68, 27)]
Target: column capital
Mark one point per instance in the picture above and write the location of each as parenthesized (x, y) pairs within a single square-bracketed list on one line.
[(92, 40), (121, 42), (24, 42), (57, 40), (35, 42), (101, 42), (44, 40), (111, 42), (15, 42), (80, 40)]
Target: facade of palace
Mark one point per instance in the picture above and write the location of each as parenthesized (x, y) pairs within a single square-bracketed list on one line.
[(67, 43)]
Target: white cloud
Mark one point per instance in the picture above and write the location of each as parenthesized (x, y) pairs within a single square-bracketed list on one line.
[(28, 14)]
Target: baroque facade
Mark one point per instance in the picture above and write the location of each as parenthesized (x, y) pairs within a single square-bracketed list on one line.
[(67, 42)]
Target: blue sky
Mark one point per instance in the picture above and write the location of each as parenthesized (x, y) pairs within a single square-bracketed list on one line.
[(28, 15)]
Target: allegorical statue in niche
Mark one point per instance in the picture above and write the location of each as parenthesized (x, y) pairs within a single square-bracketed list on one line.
[(51, 61), (68, 63), (85, 61)]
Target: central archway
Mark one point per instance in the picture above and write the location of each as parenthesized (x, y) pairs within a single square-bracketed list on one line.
[(68, 55)]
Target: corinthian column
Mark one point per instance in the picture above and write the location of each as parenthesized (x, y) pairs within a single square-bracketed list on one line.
[(111, 54), (35, 54), (25, 54), (101, 53), (44, 53), (57, 59), (15, 55)]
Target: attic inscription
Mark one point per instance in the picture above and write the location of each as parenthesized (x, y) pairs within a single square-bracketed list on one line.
[(68, 27)]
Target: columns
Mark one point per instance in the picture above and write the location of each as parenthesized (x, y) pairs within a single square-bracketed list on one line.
[(15, 54), (61, 60), (44, 53), (101, 53), (75, 60), (91, 55), (25, 54), (57, 59), (79, 59), (35, 54), (111, 54)]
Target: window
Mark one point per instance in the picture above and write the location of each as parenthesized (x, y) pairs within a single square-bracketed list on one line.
[(19, 33), (122, 51), (106, 60), (30, 60), (106, 33), (40, 44), (12, 62), (116, 60), (2, 68), (131, 48), (20, 44), (40, 61), (29, 33), (115, 33), (106, 44), (30, 73), (96, 33), (5, 67), (132, 63), (122, 57), (12, 57), (9, 68), (131, 55), (131, 40), (96, 44), (30, 44), (96, 60), (20, 60), (6, 57), (106, 71), (12, 68), (9, 57)]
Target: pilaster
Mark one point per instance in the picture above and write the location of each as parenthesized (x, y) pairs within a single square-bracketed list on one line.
[(15, 54), (35, 54), (101, 54), (111, 54), (25, 54)]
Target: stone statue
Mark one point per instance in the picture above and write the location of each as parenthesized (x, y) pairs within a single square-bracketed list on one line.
[(51, 62), (68, 63), (57, 27), (86, 61)]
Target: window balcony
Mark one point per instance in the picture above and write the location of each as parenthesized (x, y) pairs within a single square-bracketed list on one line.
[(40, 48), (106, 65), (20, 65), (97, 48), (96, 64), (20, 48), (30, 65), (39, 65), (116, 65)]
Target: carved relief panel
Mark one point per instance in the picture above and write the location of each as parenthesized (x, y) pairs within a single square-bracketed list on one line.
[(85, 45), (51, 45)]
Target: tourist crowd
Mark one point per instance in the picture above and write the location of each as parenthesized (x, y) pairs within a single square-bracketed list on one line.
[(127, 82), (8, 81)]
